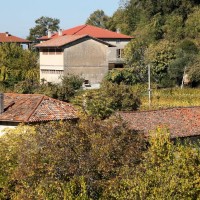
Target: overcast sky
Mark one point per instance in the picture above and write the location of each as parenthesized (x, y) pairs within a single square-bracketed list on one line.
[(18, 16)]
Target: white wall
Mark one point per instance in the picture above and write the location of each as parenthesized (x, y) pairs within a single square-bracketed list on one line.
[(50, 59), (51, 67), (3, 127)]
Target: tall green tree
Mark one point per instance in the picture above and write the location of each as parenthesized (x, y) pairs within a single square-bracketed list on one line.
[(43, 24), (98, 18), (15, 62)]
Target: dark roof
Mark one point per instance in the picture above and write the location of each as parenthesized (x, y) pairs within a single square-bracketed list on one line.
[(92, 31), (35, 108), (6, 37), (67, 39), (181, 122)]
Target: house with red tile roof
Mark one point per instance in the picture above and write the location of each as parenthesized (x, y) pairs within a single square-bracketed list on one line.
[(81, 55), (32, 109), (181, 122), (8, 38), (86, 58)]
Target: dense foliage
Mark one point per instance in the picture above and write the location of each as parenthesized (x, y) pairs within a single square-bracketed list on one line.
[(109, 98), (65, 90), (95, 160), (17, 64), (62, 160), (166, 37), (43, 24), (168, 171), (98, 18)]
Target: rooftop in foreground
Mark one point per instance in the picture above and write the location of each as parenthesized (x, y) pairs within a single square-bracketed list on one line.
[(181, 122), (35, 108)]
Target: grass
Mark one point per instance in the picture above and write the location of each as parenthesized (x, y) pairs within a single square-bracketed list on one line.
[(167, 98)]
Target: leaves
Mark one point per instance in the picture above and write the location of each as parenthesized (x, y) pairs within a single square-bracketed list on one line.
[(15, 62), (64, 160), (98, 18), (109, 98), (43, 24)]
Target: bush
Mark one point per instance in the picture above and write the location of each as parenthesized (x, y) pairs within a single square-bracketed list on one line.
[(108, 99), (127, 76), (63, 160), (168, 171)]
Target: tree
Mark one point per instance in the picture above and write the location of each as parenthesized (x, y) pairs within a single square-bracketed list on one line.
[(43, 24), (192, 26), (109, 98), (160, 56), (193, 72), (15, 63), (98, 18), (168, 171), (61, 160), (118, 22)]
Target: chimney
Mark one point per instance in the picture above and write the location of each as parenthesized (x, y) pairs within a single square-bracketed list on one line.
[(49, 33), (7, 34), (60, 32), (1, 103), (118, 30)]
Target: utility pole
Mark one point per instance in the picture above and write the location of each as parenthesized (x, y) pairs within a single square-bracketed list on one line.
[(149, 83), (182, 83)]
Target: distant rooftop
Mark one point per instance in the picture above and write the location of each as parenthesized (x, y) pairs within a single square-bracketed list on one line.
[(66, 39), (90, 30), (182, 122), (8, 38)]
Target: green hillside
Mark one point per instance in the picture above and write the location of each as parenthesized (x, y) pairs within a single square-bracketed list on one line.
[(166, 37)]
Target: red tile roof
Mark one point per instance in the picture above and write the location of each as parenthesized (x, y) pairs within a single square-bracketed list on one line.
[(182, 122), (67, 39), (92, 31), (35, 108), (6, 37)]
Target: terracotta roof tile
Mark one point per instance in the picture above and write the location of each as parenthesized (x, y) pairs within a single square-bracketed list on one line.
[(92, 31), (182, 122), (6, 37), (67, 39), (35, 108)]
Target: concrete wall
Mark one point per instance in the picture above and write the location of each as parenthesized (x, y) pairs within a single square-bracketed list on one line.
[(87, 58), (120, 44)]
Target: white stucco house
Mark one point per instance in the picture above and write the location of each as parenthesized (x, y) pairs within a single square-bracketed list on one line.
[(84, 50)]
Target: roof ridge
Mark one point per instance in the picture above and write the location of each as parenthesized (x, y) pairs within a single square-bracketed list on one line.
[(82, 27), (35, 107)]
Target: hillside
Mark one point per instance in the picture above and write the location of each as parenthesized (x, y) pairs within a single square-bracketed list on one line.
[(166, 37)]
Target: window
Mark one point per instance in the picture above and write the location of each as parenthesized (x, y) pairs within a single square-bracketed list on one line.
[(51, 51), (48, 71), (118, 41), (44, 51), (120, 53)]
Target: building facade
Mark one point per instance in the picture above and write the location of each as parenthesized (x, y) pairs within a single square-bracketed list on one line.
[(85, 50)]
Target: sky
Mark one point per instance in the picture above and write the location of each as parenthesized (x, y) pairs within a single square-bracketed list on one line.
[(18, 16)]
